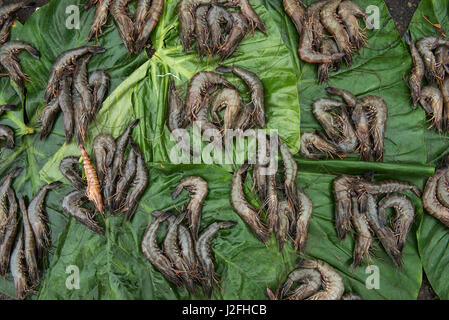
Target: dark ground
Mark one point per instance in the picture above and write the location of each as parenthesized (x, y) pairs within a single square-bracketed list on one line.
[(401, 12)]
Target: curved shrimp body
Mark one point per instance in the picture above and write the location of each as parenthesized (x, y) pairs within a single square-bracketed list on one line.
[(38, 220), (99, 83), (153, 16), (282, 227), (186, 17), (171, 249), (198, 190), (129, 172), (4, 187), (246, 211), (296, 12), (202, 33), (100, 19), (443, 189), (312, 141), (217, 17), (343, 186), (121, 142), (417, 72), (139, 184), (377, 112), (229, 99), (332, 282), (30, 245), (201, 85), (329, 20), (93, 186), (405, 213), (430, 200), (303, 220), (66, 105), (383, 233), (48, 117), (310, 283), (64, 63), (364, 238), (203, 251), (290, 174), (10, 61), (238, 32), (328, 47), (431, 100), (320, 110), (348, 142), (7, 10), (187, 246), (314, 20), (70, 169), (104, 150), (425, 45), (245, 118), (81, 84), (7, 134), (362, 127), (153, 253), (350, 99), (9, 234), (349, 12), (123, 20), (256, 88), (140, 15), (71, 206), (81, 117), (18, 268), (248, 11), (388, 186), (442, 60)]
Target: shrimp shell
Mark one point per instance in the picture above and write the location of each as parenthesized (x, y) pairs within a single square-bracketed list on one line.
[(332, 282), (93, 186), (310, 283), (9, 234), (430, 200), (18, 268), (303, 220), (417, 72), (364, 238)]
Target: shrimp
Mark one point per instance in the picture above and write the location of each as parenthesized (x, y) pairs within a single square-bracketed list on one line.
[(442, 60), (201, 85), (101, 17), (81, 84), (93, 186), (320, 108), (153, 253), (430, 200), (377, 112), (350, 99), (7, 107), (417, 72), (383, 233), (387, 186), (238, 32), (405, 213), (140, 15), (310, 283), (7, 134), (255, 86), (121, 142), (30, 245), (229, 99), (443, 189), (360, 119), (48, 117), (349, 12), (198, 189), (18, 268), (328, 47), (99, 83), (81, 117), (71, 206), (210, 132), (66, 105), (171, 249), (332, 282), (139, 184), (303, 220), (9, 60), (203, 251), (444, 89), (260, 181), (283, 223), (425, 45), (272, 202), (290, 175), (4, 187), (9, 234), (202, 32), (330, 22), (152, 18), (8, 10), (240, 205), (314, 21), (38, 220), (129, 172), (312, 141), (70, 169), (217, 17), (296, 12), (123, 20), (245, 118), (431, 100), (348, 141), (187, 248), (248, 11), (104, 150), (64, 64), (364, 238)]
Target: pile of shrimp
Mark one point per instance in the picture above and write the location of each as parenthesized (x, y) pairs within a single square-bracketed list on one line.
[(352, 125), (134, 29), (356, 206), (430, 56), (313, 280), (209, 93), (23, 246), (288, 215), (436, 194), (216, 29), (9, 60), (113, 182), (74, 91), (185, 258), (329, 32)]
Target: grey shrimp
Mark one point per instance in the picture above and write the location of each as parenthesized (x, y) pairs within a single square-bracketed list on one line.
[(332, 282)]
